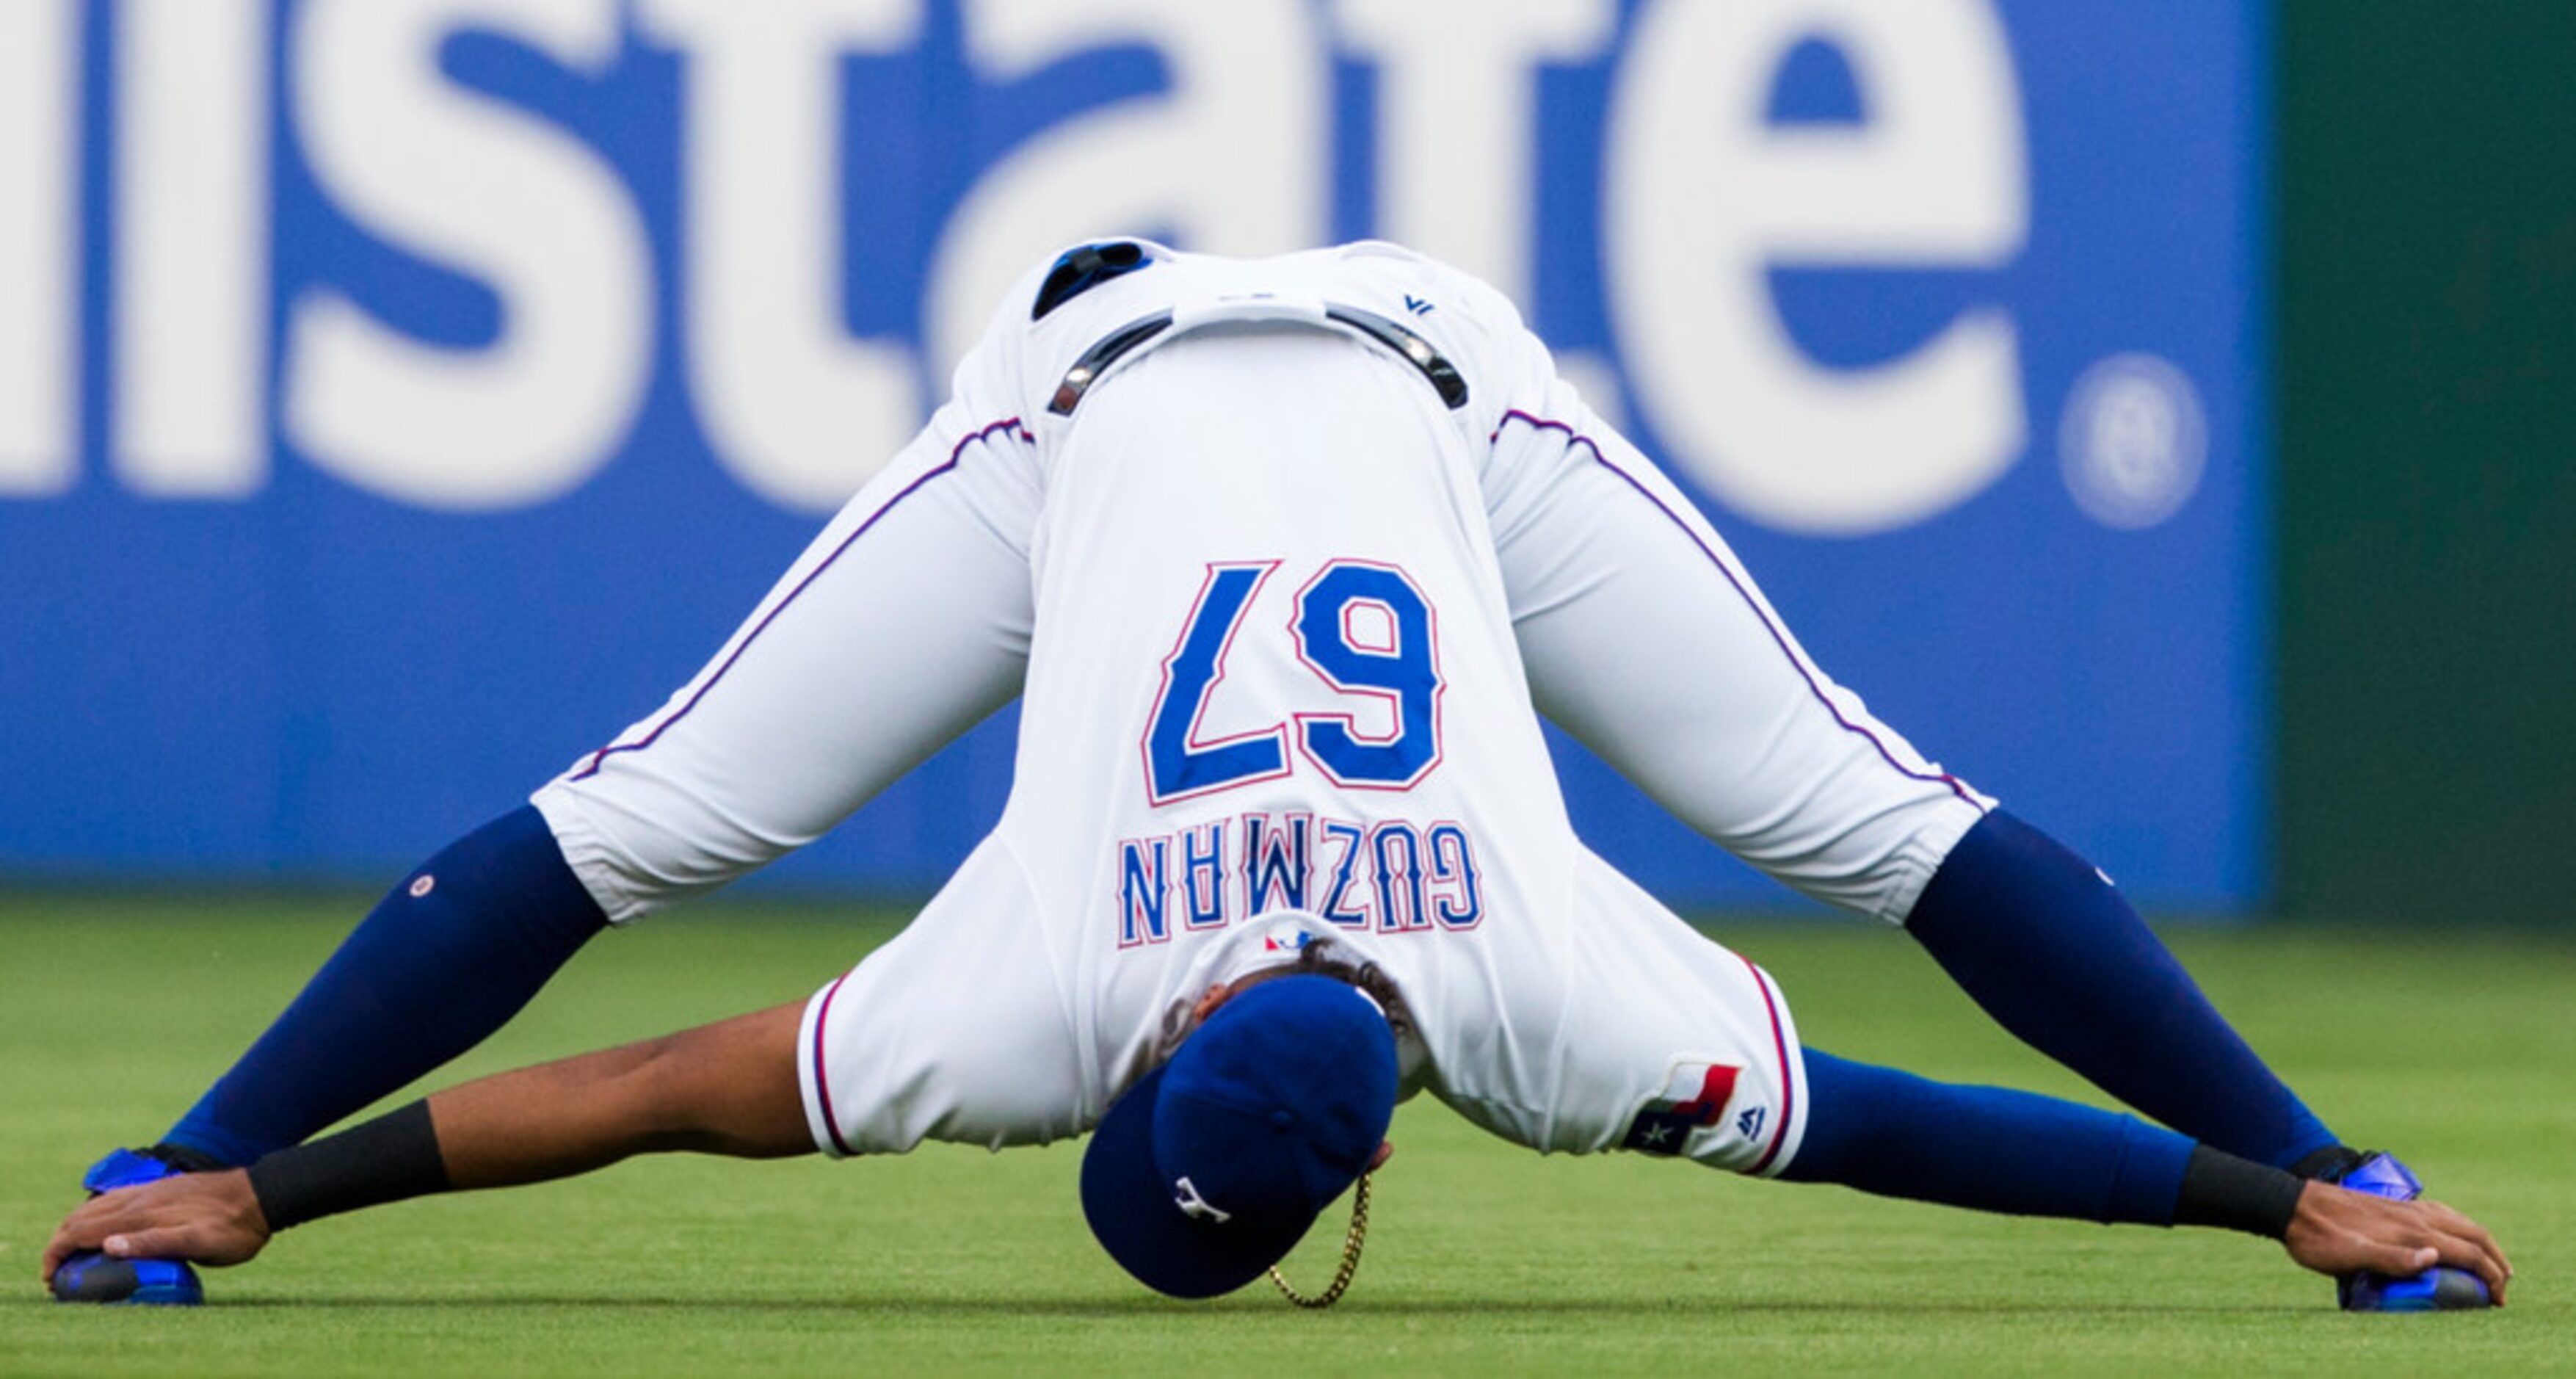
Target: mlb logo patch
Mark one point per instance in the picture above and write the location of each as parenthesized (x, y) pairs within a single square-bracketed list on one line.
[(1695, 1095)]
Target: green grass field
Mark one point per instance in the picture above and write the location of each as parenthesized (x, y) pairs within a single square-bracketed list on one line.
[(1483, 1258)]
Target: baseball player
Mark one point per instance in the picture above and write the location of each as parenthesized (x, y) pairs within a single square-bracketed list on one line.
[(1283, 558)]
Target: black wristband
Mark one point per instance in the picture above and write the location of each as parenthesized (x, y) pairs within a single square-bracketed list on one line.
[(2220, 1189), (385, 1160)]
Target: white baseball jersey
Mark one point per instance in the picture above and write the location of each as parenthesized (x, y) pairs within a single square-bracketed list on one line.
[(1277, 554)]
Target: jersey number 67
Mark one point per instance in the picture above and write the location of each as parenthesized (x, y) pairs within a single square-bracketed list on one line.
[(1361, 627)]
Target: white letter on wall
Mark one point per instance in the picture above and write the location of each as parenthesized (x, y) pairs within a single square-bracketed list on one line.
[(1230, 159), (192, 192), (39, 264), (467, 182), (1702, 199), (1458, 115), (794, 407)]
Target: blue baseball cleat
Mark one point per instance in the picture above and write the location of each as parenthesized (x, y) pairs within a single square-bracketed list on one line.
[(2438, 1289), (93, 1277)]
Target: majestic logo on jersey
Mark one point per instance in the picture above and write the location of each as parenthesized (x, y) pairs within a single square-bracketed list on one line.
[(1695, 1095)]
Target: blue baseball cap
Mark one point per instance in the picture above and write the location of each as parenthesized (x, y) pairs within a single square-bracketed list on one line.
[(1209, 1170)]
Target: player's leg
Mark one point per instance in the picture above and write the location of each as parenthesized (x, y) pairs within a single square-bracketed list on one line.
[(906, 622), (1645, 638), (449, 955), (2050, 948), (900, 626)]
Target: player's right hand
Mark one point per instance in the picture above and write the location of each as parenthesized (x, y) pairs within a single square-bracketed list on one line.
[(208, 1218), (2338, 1232)]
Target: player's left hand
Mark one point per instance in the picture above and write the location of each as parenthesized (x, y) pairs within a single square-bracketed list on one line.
[(209, 1218), (2338, 1232)]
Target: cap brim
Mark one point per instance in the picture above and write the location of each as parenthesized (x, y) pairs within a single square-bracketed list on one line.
[(1134, 1216)]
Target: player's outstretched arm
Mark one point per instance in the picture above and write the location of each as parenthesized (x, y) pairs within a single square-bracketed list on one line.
[(726, 1088)]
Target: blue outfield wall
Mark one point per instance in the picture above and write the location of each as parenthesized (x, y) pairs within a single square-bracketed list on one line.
[(398, 399)]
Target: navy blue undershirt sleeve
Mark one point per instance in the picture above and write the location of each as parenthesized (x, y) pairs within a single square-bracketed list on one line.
[(1985, 1148)]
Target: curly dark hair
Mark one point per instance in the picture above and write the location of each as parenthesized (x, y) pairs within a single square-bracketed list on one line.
[(1321, 957)]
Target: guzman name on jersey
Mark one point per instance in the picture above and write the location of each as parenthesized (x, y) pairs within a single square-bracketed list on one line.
[(1390, 876)]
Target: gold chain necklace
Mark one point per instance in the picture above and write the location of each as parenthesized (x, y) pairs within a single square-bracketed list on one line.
[(1350, 1256)]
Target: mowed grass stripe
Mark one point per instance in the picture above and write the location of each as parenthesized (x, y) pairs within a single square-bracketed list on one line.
[(1483, 1258)]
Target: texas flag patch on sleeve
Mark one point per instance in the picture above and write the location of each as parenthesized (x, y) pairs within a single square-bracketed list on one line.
[(1695, 1095)]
